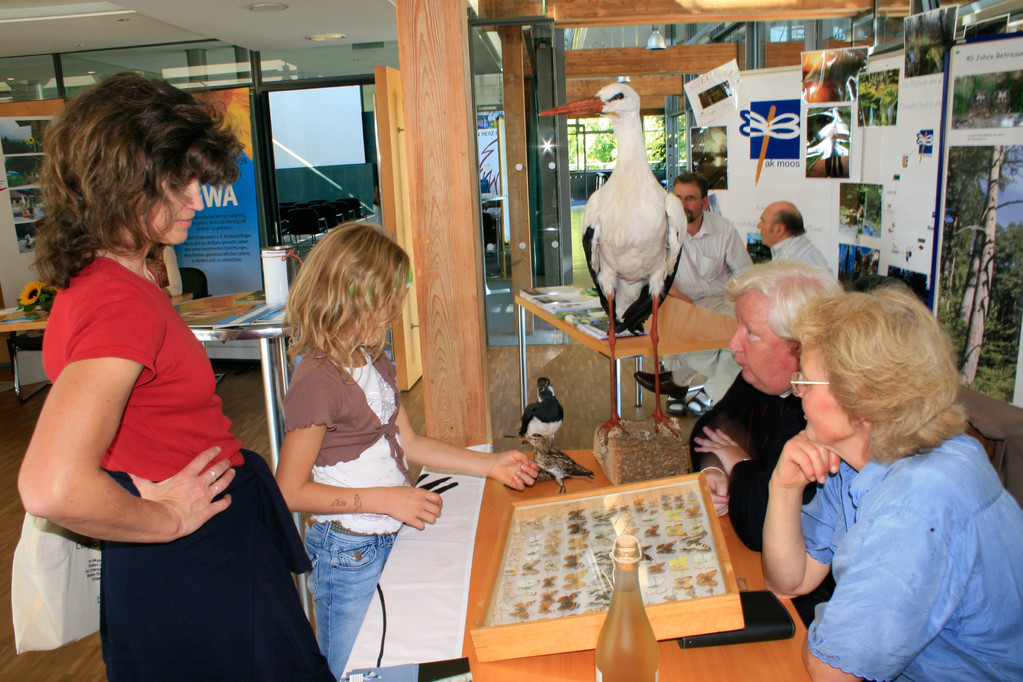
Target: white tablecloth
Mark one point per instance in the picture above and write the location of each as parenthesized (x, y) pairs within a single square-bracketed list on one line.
[(426, 585)]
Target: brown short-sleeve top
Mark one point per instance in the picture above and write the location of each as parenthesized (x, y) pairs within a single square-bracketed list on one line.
[(318, 394)]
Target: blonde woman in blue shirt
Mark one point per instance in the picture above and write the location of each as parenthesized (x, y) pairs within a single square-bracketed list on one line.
[(925, 544)]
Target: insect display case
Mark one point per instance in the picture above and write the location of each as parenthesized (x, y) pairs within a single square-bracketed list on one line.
[(553, 584)]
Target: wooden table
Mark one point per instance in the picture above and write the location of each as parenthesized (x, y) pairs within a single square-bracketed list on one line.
[(763, 661), (36, 320), (22, 322), (683, 328)]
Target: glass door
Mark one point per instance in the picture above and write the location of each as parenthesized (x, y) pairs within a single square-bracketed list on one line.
[(525, 233)]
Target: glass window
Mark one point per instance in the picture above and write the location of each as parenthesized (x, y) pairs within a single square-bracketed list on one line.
[(783, 31), (25, 79), (591, 143), (327, 61), (202, 64), (324, 158)]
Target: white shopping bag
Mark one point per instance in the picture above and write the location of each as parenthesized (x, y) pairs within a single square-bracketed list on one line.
[(54, 586)]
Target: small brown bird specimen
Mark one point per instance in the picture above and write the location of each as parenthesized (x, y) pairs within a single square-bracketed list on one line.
[(555, 462)]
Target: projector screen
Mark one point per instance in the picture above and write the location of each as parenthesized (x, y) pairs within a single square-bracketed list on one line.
[(319, 127)]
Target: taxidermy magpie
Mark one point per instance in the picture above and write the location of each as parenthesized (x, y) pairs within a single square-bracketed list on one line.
[(545, 415), (554, 462)]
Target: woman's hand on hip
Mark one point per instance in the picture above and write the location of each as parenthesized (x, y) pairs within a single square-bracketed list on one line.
[(187, 496)]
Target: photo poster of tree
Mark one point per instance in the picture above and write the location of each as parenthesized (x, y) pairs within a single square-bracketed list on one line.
[(22, 130), (980, 269), (223, 241)]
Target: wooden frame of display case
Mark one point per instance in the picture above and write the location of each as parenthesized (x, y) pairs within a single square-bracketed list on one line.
[(550, 590)]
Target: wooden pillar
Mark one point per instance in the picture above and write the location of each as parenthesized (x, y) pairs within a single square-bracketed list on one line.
[(444, 202), (513, 53)]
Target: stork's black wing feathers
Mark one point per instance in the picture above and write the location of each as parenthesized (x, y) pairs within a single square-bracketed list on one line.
[(640, 310), (642, 307), (588, 253), (633, 319)]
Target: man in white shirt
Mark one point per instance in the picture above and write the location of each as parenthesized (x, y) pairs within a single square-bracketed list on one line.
[(781, 228), (712, 253)]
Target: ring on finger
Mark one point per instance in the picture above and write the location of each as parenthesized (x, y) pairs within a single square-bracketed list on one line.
[(213, 474), (215, 489)]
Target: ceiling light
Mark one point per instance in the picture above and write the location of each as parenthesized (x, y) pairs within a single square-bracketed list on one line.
[(319, 37), (656, 40), (268, 7)]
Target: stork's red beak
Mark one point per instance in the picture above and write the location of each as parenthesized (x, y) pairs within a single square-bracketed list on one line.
[(590, 105)]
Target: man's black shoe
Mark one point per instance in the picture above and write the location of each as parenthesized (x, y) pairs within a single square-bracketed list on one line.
[(668, 387)]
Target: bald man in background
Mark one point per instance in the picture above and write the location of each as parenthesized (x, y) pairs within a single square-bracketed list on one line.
[(781, 228)]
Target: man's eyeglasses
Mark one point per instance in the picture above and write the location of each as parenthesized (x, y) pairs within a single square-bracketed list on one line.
[(799, 382)]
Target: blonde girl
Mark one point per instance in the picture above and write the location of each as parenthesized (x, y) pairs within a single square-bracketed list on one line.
[(348, 437)]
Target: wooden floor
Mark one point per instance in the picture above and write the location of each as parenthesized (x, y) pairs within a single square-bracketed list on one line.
[(580, 378)]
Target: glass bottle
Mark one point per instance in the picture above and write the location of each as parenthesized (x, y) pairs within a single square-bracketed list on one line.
[(626, 647)]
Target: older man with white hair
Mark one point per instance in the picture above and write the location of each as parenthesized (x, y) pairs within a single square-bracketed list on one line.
[(739, 440)]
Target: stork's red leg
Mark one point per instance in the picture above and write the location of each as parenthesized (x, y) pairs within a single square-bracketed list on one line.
[(657, 416), (615, 420)]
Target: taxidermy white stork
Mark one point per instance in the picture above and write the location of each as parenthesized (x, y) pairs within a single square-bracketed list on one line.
[(633, 231)]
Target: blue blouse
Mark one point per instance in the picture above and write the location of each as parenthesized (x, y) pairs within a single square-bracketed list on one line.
[(927, 554)]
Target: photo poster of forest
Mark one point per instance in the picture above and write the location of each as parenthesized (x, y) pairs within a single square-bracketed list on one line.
[(980, 290), (980, 262)]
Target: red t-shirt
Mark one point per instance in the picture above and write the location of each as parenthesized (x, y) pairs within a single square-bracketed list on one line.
[(173, 412)]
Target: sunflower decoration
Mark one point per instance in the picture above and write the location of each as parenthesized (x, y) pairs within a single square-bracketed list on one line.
[(36, 295)]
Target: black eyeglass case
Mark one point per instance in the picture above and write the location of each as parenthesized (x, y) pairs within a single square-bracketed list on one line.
[(765, 617)]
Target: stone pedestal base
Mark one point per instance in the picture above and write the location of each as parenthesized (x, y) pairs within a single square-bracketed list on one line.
[(642, 454)]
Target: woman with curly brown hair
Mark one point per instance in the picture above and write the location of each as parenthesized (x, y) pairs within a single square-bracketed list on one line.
[(197, 550), (925, 544)]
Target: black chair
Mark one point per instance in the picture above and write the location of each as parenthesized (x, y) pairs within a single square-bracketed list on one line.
[(193, 281), (328, 213), (353, 208), (304, 221), (344, 213)]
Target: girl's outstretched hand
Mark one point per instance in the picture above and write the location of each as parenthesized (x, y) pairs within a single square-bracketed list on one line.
[(514, 469), (412, 506), (188, 495)]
